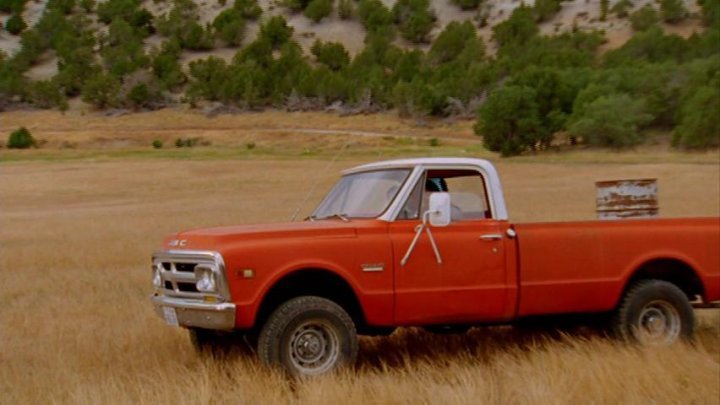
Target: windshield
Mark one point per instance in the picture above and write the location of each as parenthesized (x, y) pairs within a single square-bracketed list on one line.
[(362, 195)]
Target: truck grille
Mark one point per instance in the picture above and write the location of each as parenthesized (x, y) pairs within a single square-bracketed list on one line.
[(178, 273)]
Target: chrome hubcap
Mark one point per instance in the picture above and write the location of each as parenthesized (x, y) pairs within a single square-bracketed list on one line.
[(313, 348), (658, 324)]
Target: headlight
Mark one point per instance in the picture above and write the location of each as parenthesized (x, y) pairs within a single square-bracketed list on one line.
[(157, 276), (205, 279)]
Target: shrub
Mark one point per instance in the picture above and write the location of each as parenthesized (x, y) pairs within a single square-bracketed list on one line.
[(101, 90), (544, 9), (21, 138), (248, 8), (699, 125), (112, 9), (230, 26), (710, 12), (375, 17), (452, 41), (509, 121), (186, 142), (414, 19), (604, 6), (649, 46), (276, 31), (157, 144), (467, 4), (122, 51), (47, 94), (331, 54), (613, 120), (15, 24), (518, 29), (346, 9), (64, 6), (12, 6), (621, 8), (644, 19), (316, 10), (673, 11), (88, 5)]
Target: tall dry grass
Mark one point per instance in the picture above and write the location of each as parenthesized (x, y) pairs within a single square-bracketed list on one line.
[(76, 324)]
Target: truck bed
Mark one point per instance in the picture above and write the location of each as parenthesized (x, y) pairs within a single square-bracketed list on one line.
[(585, 265)]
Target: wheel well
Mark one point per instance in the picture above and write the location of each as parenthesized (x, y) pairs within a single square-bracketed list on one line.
[(317, 282), (673, 271)]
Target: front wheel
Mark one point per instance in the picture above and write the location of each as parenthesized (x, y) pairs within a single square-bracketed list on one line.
[(654, 313), (308, 336)]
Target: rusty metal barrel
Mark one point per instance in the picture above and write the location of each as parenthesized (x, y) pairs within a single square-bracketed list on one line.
[(633, 198)]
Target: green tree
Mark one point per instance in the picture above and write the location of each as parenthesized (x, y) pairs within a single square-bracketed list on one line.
[(331, 54), (613, 120), (649, 46), (210, 77), (509, 121), (316, 10), (248, 9), (375, 17), (604, 7), (47, 94), (122, 50), (452, 41), (467, 4), (544, 9), (518, 29), (21, 138), (673, 11), (644, 19), (276, 31), (101, 90), (346, 9), (554, 97), (15, 24), (710, 12), (230, 27), (12, 6), (112, 9), (699, 125), (414, 18), (621, 8)]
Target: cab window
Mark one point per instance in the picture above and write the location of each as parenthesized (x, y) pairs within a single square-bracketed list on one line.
[(467, 192)]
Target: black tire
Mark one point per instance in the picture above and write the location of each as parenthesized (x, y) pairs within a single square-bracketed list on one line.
[(308, 336), (655, 313), (220, 343)]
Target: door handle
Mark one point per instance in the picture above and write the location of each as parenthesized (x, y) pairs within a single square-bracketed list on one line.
[(491, 236)]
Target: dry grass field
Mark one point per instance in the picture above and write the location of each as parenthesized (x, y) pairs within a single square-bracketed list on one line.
[(78, 225)]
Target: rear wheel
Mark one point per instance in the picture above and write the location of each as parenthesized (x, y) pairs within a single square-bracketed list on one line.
[(308, 336), (654, 313)]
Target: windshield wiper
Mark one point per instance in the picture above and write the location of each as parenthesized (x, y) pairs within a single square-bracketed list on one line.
[(310, 218)]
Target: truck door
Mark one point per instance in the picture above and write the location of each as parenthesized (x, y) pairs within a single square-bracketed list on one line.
[(469, 283)]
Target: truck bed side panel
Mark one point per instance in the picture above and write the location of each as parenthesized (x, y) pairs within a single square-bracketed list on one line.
[(584, 266)]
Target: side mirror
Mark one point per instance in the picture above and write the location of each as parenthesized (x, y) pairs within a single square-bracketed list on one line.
[(439, 211)]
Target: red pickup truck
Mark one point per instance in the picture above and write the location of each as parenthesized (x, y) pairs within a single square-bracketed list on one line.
[(427, 242)]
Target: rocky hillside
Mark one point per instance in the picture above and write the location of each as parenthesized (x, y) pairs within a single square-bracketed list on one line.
[(600, 71)]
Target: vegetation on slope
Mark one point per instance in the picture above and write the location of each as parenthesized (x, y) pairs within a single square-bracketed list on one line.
[(655, 80)]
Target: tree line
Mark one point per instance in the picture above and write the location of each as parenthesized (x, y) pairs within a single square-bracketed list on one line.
[(533, 89)]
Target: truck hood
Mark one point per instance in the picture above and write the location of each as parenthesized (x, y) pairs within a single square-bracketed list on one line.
[(217, 237)]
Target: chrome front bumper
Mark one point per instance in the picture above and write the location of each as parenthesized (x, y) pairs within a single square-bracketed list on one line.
[(192, 313)]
